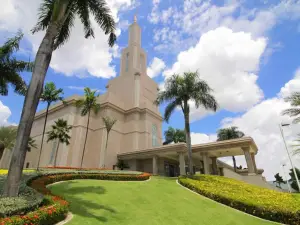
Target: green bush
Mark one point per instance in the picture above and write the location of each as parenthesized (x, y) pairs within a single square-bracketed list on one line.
[(260, 202)]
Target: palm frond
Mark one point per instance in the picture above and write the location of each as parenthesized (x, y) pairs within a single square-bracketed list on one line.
[(45, 15), (59, 132), (83, 12), (103, 17), (108, 123), (170, 109)]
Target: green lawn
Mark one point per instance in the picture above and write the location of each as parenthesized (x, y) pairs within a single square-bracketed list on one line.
[(159, 201)]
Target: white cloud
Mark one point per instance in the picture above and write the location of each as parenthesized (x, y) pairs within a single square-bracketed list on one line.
[(291, 86), (228, 64), (78, 55), (156, 67), (4, 115), (199, 138)]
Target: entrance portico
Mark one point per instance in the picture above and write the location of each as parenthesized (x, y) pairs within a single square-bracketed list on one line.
[(204, 156)]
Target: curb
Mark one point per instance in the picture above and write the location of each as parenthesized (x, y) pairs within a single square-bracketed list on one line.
[(66, 220), (227, 205)]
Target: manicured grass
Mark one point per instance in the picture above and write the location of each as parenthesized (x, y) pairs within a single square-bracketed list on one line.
[(155, 202)]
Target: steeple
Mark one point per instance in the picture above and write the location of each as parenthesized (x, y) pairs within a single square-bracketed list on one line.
[(133, 58)]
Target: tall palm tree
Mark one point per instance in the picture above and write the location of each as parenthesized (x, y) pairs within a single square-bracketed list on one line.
[(108, 123), (10, 67), (174, 135), (179, 91), (294, 99), (87, 105), (227, 134), (49, 95), (57, 18), (59, 132)]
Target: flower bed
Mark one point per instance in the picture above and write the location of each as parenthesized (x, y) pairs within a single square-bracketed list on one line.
[(54, 208), (260, 202), (4, 171)]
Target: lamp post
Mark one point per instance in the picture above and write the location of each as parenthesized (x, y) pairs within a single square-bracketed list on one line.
[(281, 131), (286, 180)]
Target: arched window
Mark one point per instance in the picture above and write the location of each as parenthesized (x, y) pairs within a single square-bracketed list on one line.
[(154, 135), (127, 61)]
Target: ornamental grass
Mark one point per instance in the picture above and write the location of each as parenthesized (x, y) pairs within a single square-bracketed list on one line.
[(261, 202)]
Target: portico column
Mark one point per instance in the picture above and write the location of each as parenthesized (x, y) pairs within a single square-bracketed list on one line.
[(253, 160), (205, 163), (249, 161), (154, 164), (181, 164), (214, 166)]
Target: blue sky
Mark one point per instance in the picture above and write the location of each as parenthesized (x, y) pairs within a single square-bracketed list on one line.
[(247, 51)]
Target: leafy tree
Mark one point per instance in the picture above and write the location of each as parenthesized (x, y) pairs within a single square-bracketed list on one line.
[(59, 132), (49, 95), (293, 178), (10, 67), (56, 18), (122, 165), (227, 134), (294, 100), (87, 105), (179, 92), (108, 123), (174, 135), (278, 180)]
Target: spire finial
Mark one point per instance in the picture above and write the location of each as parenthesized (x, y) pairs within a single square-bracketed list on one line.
[(135, 18)]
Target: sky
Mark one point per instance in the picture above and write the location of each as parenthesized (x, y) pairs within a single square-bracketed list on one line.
[(247, 51)]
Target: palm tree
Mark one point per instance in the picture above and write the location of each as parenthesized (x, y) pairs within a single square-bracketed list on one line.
[(174, 135), (7, 138), (108, 123), (59, 132), (88, 104), (227, 134), (10, 67), (49, 95), (278, 180), (294, 99), (57, 18), (179, 91)]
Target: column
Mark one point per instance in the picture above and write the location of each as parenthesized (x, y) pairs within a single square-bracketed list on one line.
[(214, 166), (249, 161), (253, 160), (205, 163), (181, 164), (155, 165)]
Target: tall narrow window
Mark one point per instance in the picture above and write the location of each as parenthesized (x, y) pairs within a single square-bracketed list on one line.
[(54, 144), (154, 135), (127, 61)]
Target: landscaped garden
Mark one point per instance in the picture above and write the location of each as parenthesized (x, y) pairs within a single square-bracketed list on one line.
[(261, 202)]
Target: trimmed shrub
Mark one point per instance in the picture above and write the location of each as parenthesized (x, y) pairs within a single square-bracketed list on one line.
[(260, 202)]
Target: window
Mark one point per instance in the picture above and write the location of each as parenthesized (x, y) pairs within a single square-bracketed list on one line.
[(127, 61), (154, 135)]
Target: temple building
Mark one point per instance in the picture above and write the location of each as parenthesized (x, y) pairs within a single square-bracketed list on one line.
[(136, 138)]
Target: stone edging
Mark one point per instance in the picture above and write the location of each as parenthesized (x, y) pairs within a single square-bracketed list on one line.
[(226, 205), (66, 220)]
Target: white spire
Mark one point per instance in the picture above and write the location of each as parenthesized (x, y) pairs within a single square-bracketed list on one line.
[(135, 19)]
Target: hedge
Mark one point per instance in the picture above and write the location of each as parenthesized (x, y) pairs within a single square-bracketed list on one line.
[(260, 202), (54, 208)]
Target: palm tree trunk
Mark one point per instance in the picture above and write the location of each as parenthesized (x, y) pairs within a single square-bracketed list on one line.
[(234, 163), (86, 135), (41, 64), (41, 148), (56, 154), (103, 166), (188, 137)]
